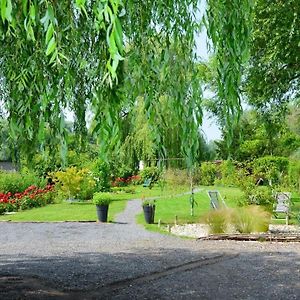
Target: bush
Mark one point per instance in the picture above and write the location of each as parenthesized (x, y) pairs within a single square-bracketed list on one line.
[(124, 189), (260, 195), (15, 182), (294, 174), (208, 173), (150, 172), (123, 182), (76, 183), (101, 174), (176, 177), (250, 219), (228, 173), (271, 168), (31, 197)]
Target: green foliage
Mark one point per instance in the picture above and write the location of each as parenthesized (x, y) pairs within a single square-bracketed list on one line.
[(217, 220), (176, 177), (102, 198), (228, 173), (123, 189), (271, 167), (229, 27), (250, 219), (106, 75), (294, 174), (208, 173), (253, 193), (16, 182), (273, 75), (102, 175), (54, 63), (147, 202), (152, 173), (75, 183), (261, 195)]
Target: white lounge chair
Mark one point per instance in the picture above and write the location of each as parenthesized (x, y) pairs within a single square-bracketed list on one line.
[(282, 206)]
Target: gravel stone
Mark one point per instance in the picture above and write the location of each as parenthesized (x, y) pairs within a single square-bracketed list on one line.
[(121, 260)]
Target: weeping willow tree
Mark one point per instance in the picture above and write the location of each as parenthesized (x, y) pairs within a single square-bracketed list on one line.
[(75, 55)]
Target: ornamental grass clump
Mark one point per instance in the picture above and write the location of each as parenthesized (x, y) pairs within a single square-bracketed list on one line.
[(250, 219), (247, 219), (218, 220)]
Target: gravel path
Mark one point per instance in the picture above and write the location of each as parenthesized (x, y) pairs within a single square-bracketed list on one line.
[(121, 260)]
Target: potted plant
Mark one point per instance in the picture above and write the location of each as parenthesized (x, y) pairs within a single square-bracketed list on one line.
[(149, 211), (102, 201)]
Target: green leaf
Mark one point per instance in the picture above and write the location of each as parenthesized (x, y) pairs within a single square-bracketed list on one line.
[(49, 33), (24, 7), (53, 57), (3, 10), (51, 46), (32, 13), (30, 33), (8, 11), (118, 34)]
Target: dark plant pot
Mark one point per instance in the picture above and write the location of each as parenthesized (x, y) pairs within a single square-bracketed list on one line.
[(149, 212), (102, 211)]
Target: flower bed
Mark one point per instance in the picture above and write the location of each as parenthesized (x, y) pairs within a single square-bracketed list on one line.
[(31, 197), (121, 181)]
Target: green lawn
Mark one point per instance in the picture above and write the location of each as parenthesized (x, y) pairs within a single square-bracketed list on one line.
[(86, 211), (167, 208), (156, 191), (64, 212)]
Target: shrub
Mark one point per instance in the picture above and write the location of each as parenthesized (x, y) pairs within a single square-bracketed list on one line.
[(250, 219), (102, 198), (15, 182), (124, 189), (294, 174), (76, 183), (228, 173), (271, 167), (31, 197), (123, 182), (150, 172), (208, 173), (101, 174), (176, 177), (259, 195)]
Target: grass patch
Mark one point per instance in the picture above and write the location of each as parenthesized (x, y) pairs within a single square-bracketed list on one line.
[(169, 207), (86, 211), (81, 211)]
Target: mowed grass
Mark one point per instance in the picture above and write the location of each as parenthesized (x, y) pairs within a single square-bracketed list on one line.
[(86, 211), (64, 212), (168, 208)]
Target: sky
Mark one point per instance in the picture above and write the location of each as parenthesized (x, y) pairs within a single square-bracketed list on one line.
[(209, 127)]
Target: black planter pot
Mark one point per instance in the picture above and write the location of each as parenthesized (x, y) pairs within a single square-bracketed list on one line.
[(102, 211), (149, 212)]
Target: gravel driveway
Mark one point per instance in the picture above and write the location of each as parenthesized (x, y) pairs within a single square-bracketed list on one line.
[(123, 261)]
